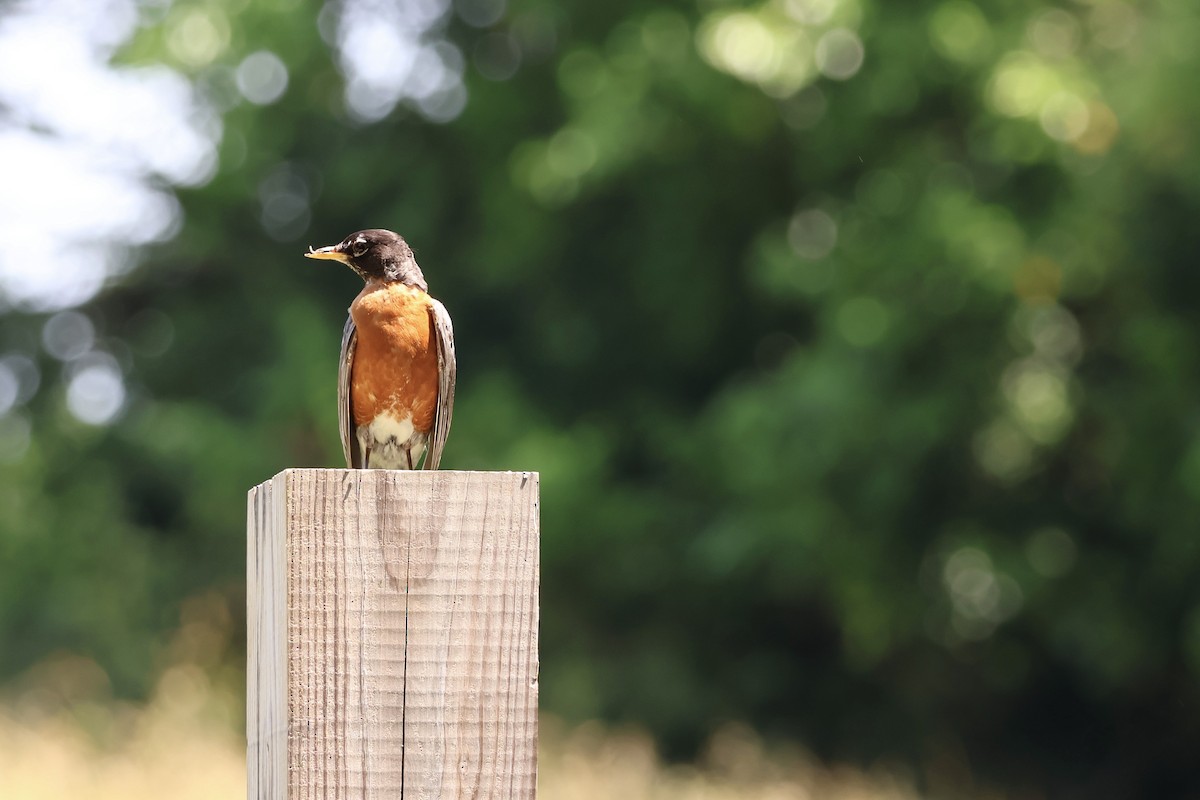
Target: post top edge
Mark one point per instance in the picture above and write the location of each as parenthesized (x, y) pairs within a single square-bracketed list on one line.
[(292, 473)]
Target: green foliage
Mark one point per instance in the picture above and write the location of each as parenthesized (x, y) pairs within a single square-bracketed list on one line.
[(863, 397)]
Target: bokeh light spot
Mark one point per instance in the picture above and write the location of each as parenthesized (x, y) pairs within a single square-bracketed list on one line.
[(1051, 552), (1064, 116), (759, 49), (68, 335), (571, 152), (1020, 85), (968, 575), (1054, 34), (445, 104), (285, 200), (981, 596), (21, 378), (582, 73), (262, 77), (960, 32), (497, 56), (811, 12), (1101, 132), (804, 109), (396, 52), (96, 392), (839, 54), (743, 44), (196, 36), (150, 333), (812, 233), (480, 13), (1115, 24), (1040, 400), (1055, 334), (1003, 451), (1038, 280), (10, 388), (114, 134)]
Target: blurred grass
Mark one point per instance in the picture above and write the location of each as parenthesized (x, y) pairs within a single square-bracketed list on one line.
[(62, 736), (57, 739)]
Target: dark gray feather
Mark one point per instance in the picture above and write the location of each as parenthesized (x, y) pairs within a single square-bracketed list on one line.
[(447, 374), (350, 448)]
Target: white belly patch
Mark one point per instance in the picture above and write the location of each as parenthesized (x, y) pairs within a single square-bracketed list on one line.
[(386, 427), (391, 442)]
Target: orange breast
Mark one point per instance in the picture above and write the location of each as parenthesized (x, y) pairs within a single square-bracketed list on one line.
[(395, 362)]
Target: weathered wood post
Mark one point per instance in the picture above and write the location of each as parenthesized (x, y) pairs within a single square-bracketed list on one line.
[(392, 624)]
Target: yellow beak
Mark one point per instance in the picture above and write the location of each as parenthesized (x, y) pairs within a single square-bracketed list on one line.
[(330, 253)]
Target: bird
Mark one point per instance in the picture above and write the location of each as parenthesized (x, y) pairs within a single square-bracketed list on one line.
[(397, 370)]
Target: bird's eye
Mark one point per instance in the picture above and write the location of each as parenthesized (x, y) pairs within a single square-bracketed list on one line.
[(358, 248)]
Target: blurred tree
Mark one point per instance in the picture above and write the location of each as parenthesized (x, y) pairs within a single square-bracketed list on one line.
[(853, 342)]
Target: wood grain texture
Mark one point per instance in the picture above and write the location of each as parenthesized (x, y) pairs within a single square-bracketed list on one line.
[(392, 623)]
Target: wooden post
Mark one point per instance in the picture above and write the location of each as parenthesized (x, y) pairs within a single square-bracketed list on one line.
[(392, 624)]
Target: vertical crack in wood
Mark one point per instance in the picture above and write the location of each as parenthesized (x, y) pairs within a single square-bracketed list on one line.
[(362, 610), (404, 673)]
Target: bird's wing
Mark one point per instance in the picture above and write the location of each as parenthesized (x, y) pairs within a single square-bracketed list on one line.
[(345, 418), (447, 371)]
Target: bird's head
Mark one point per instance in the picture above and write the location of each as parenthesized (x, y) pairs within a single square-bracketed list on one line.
[(376, 255)]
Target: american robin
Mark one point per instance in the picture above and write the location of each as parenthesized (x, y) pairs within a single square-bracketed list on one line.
[(397, 371)]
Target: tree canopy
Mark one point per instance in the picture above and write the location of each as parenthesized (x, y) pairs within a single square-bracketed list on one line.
[(853, 340)]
